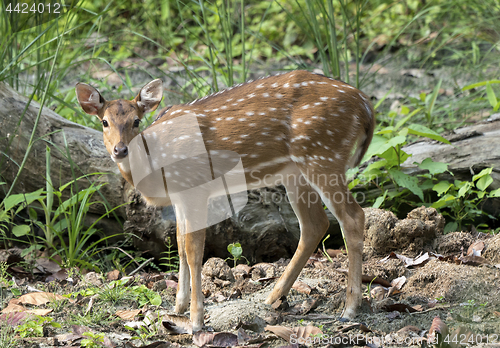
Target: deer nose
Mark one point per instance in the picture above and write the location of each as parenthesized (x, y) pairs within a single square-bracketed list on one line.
[(120, 150)]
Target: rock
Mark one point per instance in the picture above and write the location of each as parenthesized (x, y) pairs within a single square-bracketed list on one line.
[(217, 268), (92, 278), (492, 252), (453, 243), (385, 233)]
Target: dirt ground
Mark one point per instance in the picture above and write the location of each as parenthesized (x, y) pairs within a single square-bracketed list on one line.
[(412, 273)]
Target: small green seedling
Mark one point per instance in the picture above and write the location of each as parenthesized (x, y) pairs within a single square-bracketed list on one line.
[(236, 251)]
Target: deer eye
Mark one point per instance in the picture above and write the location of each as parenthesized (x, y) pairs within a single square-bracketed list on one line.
[(137, 122), (105, 123)]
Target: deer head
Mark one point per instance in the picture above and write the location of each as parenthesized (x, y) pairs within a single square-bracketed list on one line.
[(120, 118)]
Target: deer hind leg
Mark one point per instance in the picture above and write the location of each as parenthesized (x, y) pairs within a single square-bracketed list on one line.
[(351, 217), (313, 222)]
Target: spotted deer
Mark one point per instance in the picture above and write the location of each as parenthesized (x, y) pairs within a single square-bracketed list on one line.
[(298, 129)]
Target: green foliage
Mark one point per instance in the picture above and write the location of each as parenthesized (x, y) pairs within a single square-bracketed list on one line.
[(387, 144), (5, 282), (118, 290), (236, 252), (490, 93), (8, 337), (148, 330), (461, 200), (34, 327), (171, 257), (92, 340)]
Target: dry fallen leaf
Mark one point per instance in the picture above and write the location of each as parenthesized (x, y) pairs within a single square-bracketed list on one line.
[(40, 298), (476, 248), (280, 331), (303, 332), (378, 293), (473, 260), (437, 332), (400, 307), (398, 282), (215, 339), (113, 275), (40, 312), (128, 315), (13, 308), (302, 287)]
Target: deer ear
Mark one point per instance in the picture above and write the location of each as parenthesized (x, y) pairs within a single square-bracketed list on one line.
[(150, 96), (89, 98)]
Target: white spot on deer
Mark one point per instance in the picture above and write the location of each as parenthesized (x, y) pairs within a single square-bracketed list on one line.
[(225, 138), (322, 118), (324, 98), (314, 117), (259, 143), (228, 100), (240, 100), (286, 85), (229, 118), (170, 122), (237, 142), (329, 132), (242, 119), (216, 109), (223, 107), (262, 113), (218, 119), (274, 119), (251, 95), (304, 83), (254, 155), (338, 156), (249, 113), (164, 123), (317, 103), (341, 90), (252, 124), (272, 109), (297, 159), (260, 86), (265, 95), (299, 120), (274, 85), (305, 106), (326, 147), (279, 95), (264, 133), (319, 143), (296, 85), (349, 86), (307, 122), (294, 125), (243, 135)]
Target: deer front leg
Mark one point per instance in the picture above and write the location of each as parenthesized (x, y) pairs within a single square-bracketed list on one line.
[(182, 298), (195, 243)]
